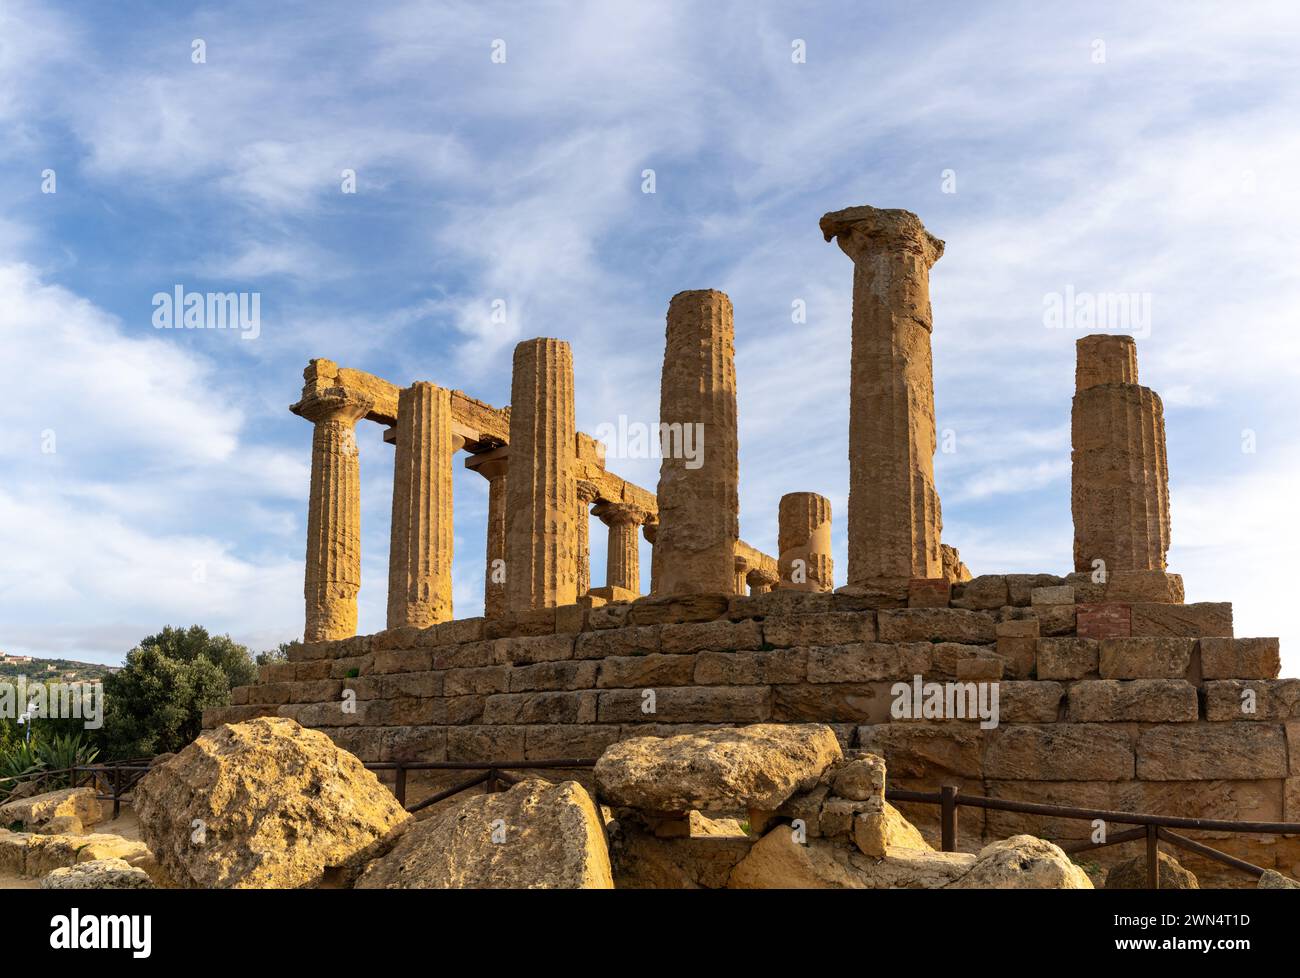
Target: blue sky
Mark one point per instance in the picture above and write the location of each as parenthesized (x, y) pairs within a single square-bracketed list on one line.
[(1106, 149)]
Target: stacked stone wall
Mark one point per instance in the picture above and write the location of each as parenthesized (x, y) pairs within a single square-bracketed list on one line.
[(1115, 696)]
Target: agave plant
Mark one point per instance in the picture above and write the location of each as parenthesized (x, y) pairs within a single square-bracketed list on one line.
[(64, 751), (18, 760)]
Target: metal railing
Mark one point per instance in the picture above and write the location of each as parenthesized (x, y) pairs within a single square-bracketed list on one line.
[(1152, 828), (494, 775)]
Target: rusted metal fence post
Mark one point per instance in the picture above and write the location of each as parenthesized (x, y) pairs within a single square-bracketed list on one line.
[(399, 789), (1153, 857), (117, 791), (948, 817)]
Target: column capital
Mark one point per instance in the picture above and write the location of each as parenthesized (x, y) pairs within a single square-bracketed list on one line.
[(612, 514), (491, 464), (588, 492), (763, 579), (334, 404), (863, 231)]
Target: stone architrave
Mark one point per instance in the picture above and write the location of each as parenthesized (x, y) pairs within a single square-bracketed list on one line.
[(420, 553), (804, 542), (894, 518), (541, 492), (333, 570), (493, 466), (698, 495), (1120, 487)]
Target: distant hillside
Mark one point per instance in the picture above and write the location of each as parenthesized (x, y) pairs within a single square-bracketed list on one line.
[(65, 670)]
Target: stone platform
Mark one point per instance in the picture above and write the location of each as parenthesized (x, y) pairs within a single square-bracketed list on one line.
[(1115, 695)]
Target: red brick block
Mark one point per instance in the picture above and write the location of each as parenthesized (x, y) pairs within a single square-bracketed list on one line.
[(928, 592), (1109, 620)]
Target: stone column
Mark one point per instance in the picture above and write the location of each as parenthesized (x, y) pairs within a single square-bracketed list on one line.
[(804, 542), (1120, 489), (650, 530), (586, 493), (894, 517), (333, 574), (492, 466), (698, 497), (420, 552), (760, 581), (541, 499), (623, 561), (740, 578)]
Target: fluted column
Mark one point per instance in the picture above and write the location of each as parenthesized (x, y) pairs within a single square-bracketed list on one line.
[(493, 465), (333, 572), (698, 493), (804, 542), (650, 530), (541, 539), (1120, 488), (623, 560), (740, 575), (894, 516), (420, 552), (586, 493)]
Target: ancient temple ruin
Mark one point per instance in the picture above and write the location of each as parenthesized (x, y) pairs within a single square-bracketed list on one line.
[(1113, 692)]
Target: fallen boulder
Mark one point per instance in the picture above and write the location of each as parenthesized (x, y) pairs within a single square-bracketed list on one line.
[(1023, 862), (726, 770), (1131, 874), (265, 803), (537, 835), (98, 874), (780, 860), (67, 811), (1273, 880)]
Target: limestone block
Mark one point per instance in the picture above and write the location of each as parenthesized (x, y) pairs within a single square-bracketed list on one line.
[(980, 669), (1144, 700), (535, 648), (984, 593), (1017, 645), (1252, 699), (1022, 862), (751, 668), (829, 628), (1204, 752), (1059, 752), (640, 641), (687, 704), (646, 671), (1145, 658), (928, 592), (1029, 701), (838, 703), (1132, 874), (569, 706), (552, 741), (924, 749), (1105, 358), (935, 625), (866, 662), (1193, 620), (779, 861), (717, 636), (719, 771), (1058, 594), (1020, 587), (1144, 585), (1240, 658), (680, 608), (553, 676), (485, 743)]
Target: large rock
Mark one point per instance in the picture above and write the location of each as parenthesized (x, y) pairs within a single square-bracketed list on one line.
[(1023, 862), (1273, 880), (537, 835), (98, 874), (28, 854), (780, 861), (265, 804), (729, 770), (74, 808), (1131, 874)]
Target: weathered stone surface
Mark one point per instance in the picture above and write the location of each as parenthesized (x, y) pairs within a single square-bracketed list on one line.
[(1067, 658), (278, 805), (1132, 874), (1144, 585), (929, 592), (716, 636), (894, 514), (493, 465), (1144, 700), (924, 749), (98, 874), (1103, 621), (541, 500), (987, 592), (1145, 658), (1022, 862), (1273, 880), (635, 641), (828, 628), (1240, 658), (718, 771), (1030, 701), (1120, 480), (1252, 699), (778, 861), (868, 662), (804, 542), (751, 668), (935, 625), (35, 813), (642, 861), (1059, 752), (860, 779), (1056, 594), (646, 671), (1192, 620), (699, 504), (27, 854), (537, 835), (1204, 752), (1020, 587)]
